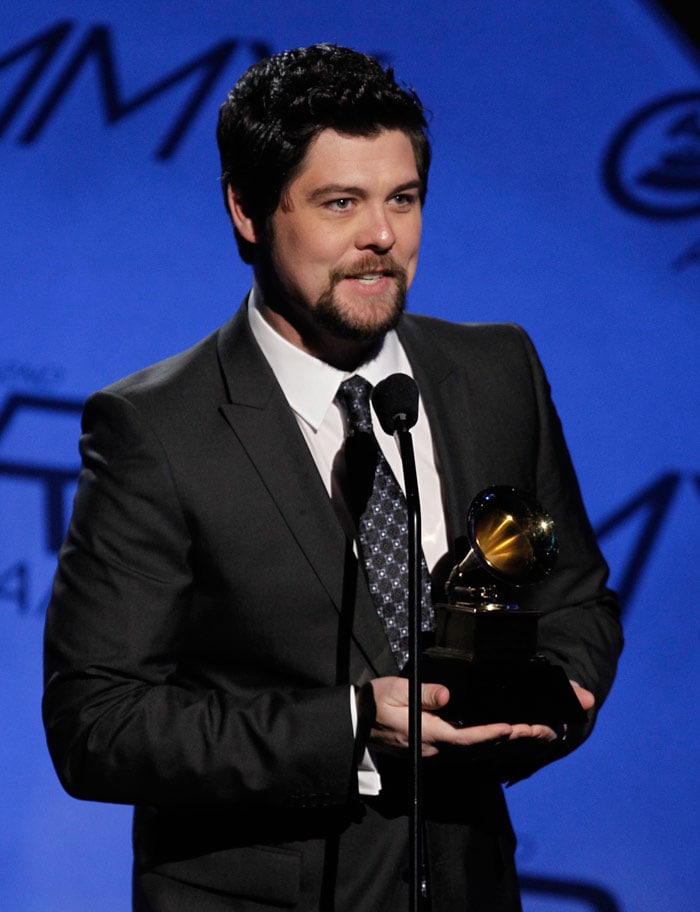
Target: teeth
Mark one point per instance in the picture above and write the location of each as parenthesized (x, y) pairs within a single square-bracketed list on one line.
[(369, 279)]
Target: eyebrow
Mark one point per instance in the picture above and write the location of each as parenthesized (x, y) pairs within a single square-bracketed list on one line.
[(342, 190)]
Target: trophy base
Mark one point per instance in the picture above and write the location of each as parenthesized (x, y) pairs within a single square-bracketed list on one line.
[(529, 690)]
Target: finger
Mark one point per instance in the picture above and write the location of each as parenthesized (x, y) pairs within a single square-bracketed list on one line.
[(585, 697), (543, 733), (534, 732), (437, 731), (434, 696)]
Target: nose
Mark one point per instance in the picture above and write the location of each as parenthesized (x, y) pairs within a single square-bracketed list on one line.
[(376, 232)]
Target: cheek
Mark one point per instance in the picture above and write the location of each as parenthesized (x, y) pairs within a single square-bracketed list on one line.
[(305, 251), (412, 250), (410, 233), (303, 267)]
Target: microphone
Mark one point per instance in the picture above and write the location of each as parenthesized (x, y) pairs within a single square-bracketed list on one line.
[(395, 401)]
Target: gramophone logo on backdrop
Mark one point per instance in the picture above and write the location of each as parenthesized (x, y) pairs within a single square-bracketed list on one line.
[(652, 166)]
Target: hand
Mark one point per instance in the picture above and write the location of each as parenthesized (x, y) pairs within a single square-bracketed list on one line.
[(390, 729), (544, 732)]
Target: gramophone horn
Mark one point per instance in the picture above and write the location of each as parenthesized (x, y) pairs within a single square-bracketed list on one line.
[(510, 536)]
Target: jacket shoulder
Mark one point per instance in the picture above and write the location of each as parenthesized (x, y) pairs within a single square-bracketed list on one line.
[(167, 376), (458, 340)]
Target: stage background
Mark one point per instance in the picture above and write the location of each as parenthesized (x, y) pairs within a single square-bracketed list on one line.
[(565, 195)]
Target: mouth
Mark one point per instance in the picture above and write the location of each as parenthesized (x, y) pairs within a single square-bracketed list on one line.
[(371, 283), (370, 278)]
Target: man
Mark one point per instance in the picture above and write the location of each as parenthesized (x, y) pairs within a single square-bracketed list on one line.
[(213, 653)]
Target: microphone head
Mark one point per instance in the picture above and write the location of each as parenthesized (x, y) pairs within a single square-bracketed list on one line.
[(395, 401)]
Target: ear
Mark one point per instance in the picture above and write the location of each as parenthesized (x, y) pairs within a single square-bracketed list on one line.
[(243, 222)]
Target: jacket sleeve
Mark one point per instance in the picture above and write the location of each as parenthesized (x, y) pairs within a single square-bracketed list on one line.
[(579, 627), (126, 721)]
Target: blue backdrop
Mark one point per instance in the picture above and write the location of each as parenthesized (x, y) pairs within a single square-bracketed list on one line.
[(565, 195)]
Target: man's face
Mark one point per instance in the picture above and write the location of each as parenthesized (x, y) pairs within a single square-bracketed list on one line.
[(343, 243)]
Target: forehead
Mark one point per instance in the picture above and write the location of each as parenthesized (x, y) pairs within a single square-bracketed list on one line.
[(385, 159)]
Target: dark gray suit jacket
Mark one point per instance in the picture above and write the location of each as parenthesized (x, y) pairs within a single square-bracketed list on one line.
[(208, 614)]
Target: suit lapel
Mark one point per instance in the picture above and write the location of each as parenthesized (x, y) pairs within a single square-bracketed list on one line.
[(446, 391), (259, 415)]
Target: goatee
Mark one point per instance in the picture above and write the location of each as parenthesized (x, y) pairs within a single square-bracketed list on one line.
[(347, 322)]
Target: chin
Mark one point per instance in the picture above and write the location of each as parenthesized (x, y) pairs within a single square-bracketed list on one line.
[(357, 330)]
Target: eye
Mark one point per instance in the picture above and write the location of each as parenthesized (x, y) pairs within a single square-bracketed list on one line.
[(405, 200), (341, 204)]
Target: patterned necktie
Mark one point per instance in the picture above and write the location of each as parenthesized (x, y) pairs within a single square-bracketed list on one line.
[(379, 509)]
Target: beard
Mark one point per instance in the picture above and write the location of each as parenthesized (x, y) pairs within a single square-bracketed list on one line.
[(371, 322)]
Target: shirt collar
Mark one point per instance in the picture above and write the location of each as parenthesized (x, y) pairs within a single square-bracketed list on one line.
[(309, 384)]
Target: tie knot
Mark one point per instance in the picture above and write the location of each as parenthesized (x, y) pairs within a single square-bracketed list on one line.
[(353, 394)]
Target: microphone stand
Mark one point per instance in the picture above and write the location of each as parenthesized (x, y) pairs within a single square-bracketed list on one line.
[(418, 884), (396, 400)]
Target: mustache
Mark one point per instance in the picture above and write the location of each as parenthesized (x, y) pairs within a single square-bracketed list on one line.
[(386, 265)]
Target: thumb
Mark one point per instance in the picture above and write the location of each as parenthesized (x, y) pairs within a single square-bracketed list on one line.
[(433, 696)]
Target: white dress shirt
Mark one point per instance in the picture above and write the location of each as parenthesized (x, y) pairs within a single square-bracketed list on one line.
[(310, 386)]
